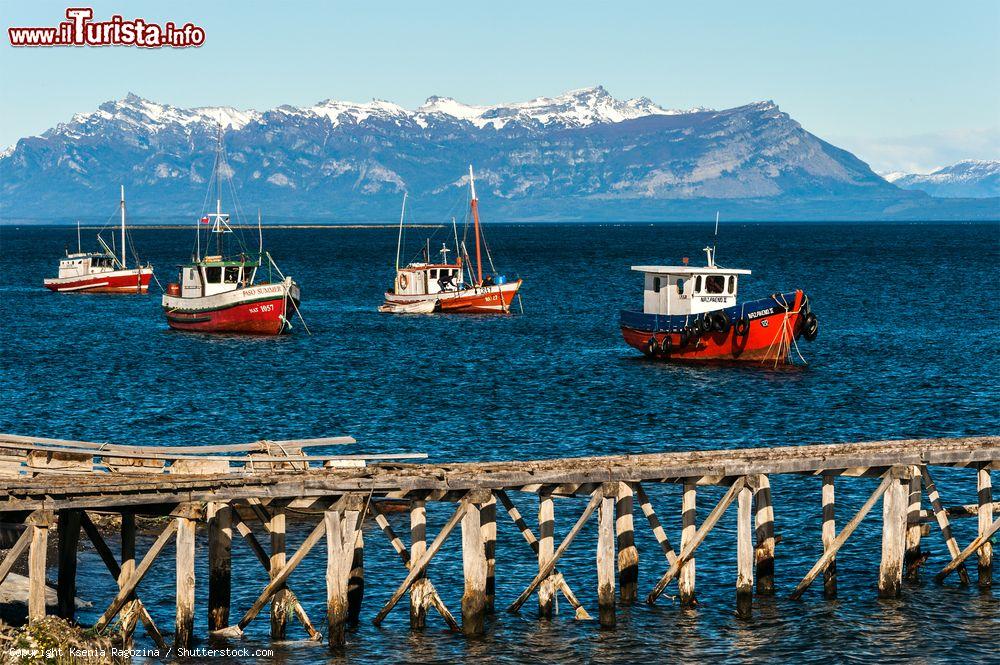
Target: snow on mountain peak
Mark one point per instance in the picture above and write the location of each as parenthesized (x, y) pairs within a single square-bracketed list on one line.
[(151, 116)]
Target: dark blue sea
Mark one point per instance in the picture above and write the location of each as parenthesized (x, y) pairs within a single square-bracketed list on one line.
[(907, 348)]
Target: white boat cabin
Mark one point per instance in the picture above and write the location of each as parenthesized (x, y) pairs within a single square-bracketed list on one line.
[(83, 264), (213, 275), (421, 279), (684, 290)]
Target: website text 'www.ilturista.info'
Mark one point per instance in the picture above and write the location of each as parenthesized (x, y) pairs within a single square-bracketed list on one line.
[(80, 30)]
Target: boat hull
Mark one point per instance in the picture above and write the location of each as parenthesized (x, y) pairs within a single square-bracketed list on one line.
[(255, 310), (119, 281), (774, 323), (495, 298)]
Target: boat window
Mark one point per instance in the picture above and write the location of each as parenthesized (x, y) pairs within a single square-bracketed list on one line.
[(213, 275), (656, 284), (247, 273), (697, 284), (434, 274), (715, 284), (680, 286), (232, 274), (732, 284)]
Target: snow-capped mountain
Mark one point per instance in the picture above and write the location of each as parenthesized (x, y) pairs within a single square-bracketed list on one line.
[(583, 154), (969, 178)]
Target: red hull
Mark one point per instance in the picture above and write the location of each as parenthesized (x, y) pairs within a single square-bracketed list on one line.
[(136, 283), (768, 340), (263, 317)]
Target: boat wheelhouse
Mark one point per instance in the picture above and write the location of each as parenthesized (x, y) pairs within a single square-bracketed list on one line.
[(694, 313), (101, 272)]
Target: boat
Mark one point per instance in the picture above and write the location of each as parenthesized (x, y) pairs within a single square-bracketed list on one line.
[(442, 286), (693, 314), (232, 290), (419, 307), (105, 271)]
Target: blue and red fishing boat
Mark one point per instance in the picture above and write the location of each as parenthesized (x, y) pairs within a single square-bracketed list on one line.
[(693, 314)]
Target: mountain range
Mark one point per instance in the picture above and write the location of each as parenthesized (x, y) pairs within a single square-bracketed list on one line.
[(968, 178), (583, 155)]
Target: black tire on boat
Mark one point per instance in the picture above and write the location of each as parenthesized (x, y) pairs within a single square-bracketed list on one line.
[(742, 326), (810, 328), (666, 344), (685, 336), (721, 321), (652, 346), (700, 327)]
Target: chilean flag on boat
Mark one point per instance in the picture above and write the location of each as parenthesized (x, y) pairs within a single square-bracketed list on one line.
[(204, 220)]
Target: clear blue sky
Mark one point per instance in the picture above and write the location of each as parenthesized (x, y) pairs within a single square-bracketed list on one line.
[(905, 85)]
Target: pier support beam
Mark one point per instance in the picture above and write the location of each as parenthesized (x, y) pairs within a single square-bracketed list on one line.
[(474, 568), (913, 556), (606, 556), (894, 509), (69, 539), (689, 514), (744, 553), (420, 591), (356, 581), (764, 550), (184, 622), (944, 524), (342, 531), (546, 548), (39, 523), (280, 601), (126, 570), (829, 536), (488, 519), (985, 487), (628, 555), (220, 544)]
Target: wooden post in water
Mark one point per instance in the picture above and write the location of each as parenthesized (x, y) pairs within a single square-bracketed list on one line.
[(419, 592), (829, 535), (130, 612), (606, 556), (764, 523), (280, 601), (184, 624), (546, 549), (894, 508), (628, 555), (984, 485), (744, 553), (474, 568), (39, 523), (689, 514), (912, 557), (488, 518), (336, 581), (356, 581), (69, 538), (220, 545)]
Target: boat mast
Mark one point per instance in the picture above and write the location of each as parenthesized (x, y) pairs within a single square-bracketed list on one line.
[(475, 218), (79, 245), (399, 241), (260, 235), (123, 227)]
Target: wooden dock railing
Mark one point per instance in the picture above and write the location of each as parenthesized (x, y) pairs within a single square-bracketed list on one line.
[(46, 484)]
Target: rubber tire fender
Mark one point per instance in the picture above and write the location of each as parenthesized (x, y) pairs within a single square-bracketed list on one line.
[(742, 326), (721, 321)]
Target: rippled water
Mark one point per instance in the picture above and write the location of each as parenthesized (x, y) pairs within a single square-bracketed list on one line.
[(907, 348)]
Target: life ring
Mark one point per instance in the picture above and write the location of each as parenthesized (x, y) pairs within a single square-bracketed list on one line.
[(742, 327), (404, 281)]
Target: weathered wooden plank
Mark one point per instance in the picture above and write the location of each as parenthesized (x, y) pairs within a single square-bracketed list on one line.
[(912, 558), (628, 554), (474, 570), (983, 537), (689, 529), (944, 524), (744, 552), (280, 600), (606, 557), (985, 513), (546, 549), (764, 531), (829, 537), (36, 571), (654, 523), (184, 624), (16, 550), (220, 546), (68, 529), (894, 506), (488, 516), (420, 591)]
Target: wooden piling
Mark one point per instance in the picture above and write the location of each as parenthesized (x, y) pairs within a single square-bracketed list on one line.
[(356, 582), (628, 554), (744, 553), (606, 557), (488, 518), (944, 524), (546, 548), (689, 514), (336, 582), (474, 569), (184, 622), (912, 558), (220, 544), (829, 536), (280, 600), (764, 531), (126, 570), (419, 592), (894, 508), (39, 523), (69, 538), (985, 493)]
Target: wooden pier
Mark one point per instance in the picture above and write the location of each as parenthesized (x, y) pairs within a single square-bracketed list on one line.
[(246, 489)]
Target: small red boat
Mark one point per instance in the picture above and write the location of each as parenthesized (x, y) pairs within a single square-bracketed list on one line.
[(424, 287), (692, 314), (221, 293), (100, 272)]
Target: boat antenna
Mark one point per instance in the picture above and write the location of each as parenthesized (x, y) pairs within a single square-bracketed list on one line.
[(710, 251), (474, 204), (123, 227), (260, 234), (399, 241), (79, 245), (454, 228)]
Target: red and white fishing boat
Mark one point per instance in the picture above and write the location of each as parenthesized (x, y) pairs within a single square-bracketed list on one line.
[(100, 272), (692, 314), (424, 287), (232, 290)]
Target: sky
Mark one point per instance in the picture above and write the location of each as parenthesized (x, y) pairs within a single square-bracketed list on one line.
[(906, 86)]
